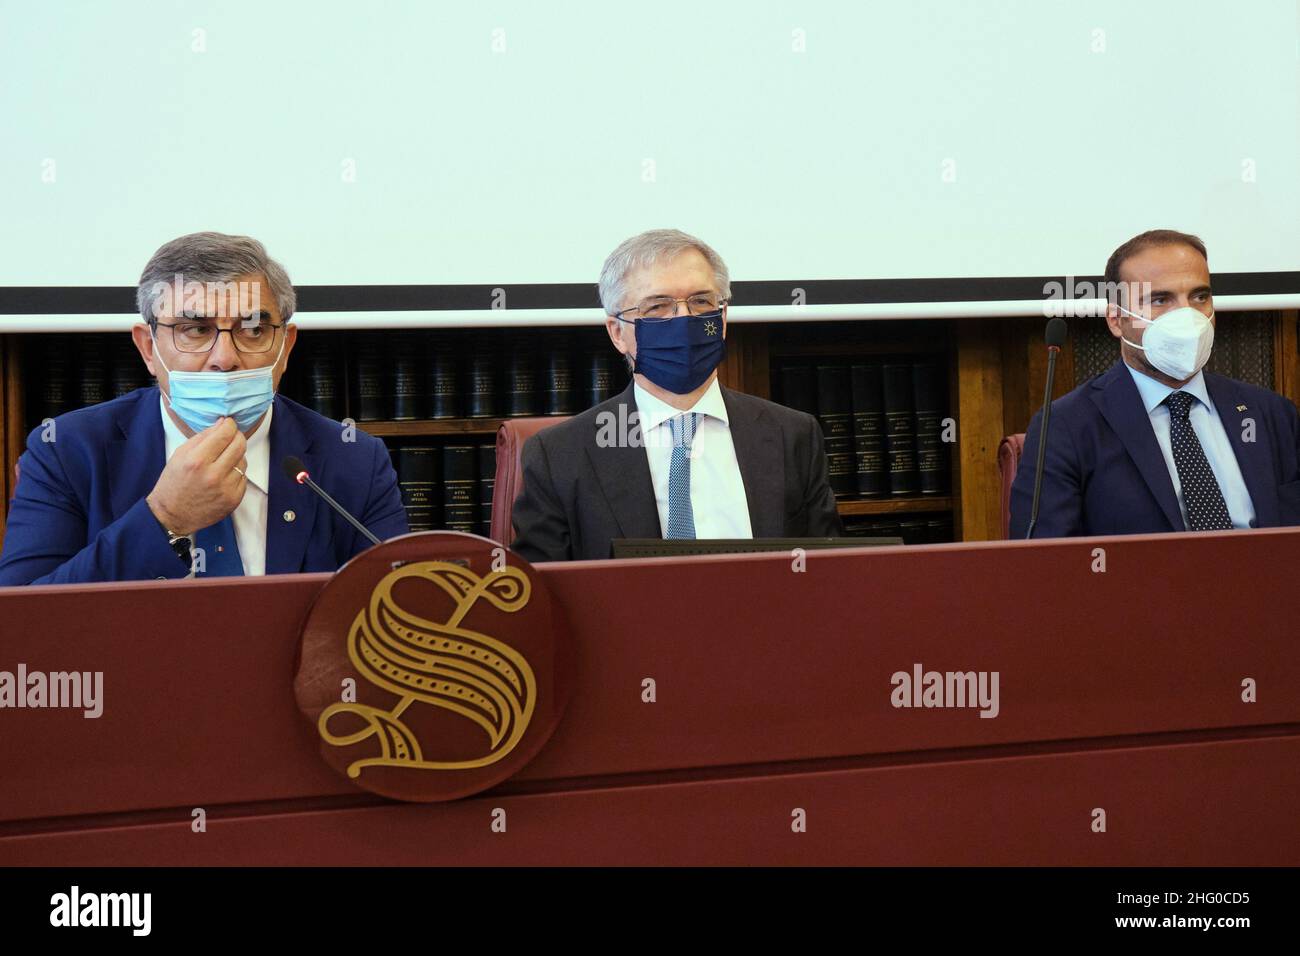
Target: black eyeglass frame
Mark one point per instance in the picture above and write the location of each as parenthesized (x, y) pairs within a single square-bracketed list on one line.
[(217, 338), (717, 309)]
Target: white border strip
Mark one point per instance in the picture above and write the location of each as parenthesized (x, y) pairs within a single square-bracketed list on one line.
[(515, 318)]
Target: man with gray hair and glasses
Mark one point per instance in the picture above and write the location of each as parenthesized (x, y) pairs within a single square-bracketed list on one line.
[(184, 478), (676, 455)]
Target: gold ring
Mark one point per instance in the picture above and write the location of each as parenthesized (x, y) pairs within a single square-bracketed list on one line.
[(241, 474)]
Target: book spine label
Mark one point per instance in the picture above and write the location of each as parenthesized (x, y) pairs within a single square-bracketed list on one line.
[(368, 375), (600, 377), (442, 382), (835, 413), (322, 376), (900, 430), (406, 396), (932, 453), (521, 383), (460, 488), (93, 373), (487, 479), (417, 478), (871, 466), (482, 385), (557, 381)]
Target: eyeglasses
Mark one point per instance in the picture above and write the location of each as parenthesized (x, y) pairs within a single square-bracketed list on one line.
[(660, 308), (199, 334)]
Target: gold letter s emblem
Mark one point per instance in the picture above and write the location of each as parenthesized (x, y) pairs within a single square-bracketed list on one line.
[(440, 664)]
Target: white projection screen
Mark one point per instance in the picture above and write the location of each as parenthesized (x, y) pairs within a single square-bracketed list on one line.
[(405, 159)]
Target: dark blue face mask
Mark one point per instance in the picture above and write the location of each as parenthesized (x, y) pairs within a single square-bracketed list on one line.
[(680, 353)]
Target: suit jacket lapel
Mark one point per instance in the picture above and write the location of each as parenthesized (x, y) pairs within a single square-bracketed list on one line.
[(137, 456), (286, 541), (1254, 458), (623, 471), (762, 467), (1121, 405)]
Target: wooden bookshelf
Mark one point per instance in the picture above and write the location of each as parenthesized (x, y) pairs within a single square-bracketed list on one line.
[(890, 506), (996, 381), (432, 426)]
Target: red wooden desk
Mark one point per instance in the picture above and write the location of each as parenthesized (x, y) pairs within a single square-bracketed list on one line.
[(1119, 690)]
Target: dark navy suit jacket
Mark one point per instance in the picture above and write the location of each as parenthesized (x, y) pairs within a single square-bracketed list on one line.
[(1104, 472), (79, 512)]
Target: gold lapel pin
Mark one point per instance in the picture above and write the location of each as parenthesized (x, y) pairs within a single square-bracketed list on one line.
[(1241, 408)]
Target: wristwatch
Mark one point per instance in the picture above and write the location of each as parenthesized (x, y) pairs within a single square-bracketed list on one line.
[(182, 545)]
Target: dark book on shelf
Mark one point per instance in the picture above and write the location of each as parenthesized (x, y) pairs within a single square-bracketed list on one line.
[(481, 399), (127, 370), (442, 378), (913, 530), (368, 375), (92, 371), (405, 378), (557, 378), (835, 412), (460, 490), (870, 465), (417, 477), (929, 394), (521, 378), (411, 375), (487, 479), (872, 527), (900, 429), (600, 380), (939, 529), (799, 388), (322, 392), (53, 394)]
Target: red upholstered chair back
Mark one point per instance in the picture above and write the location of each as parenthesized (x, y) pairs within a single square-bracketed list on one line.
[(1008, 461), (510, 474)]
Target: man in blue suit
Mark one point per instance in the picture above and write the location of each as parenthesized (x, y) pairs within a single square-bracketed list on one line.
[(184, 478), (1155, 444)]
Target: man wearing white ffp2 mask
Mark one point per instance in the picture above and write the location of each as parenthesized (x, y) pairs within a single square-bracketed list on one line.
[(1156, 443), (1179, 345)]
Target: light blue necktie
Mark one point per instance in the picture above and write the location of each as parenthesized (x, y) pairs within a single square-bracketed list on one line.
[(681, 519), (220, 550)]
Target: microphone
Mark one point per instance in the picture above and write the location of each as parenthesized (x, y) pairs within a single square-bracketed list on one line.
[(295, 469), (1056, 330)]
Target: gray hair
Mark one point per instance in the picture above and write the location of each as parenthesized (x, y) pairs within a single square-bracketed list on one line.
[(647, 249), (212, 257)]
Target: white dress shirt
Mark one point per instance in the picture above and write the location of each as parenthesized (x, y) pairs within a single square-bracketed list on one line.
[(250, 516), (1207, 425), (718, 500)]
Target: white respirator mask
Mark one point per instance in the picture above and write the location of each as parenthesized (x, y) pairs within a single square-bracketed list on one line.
[(1177, 343)]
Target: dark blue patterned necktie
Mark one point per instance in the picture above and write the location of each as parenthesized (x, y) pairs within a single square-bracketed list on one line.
[(1206, 509)]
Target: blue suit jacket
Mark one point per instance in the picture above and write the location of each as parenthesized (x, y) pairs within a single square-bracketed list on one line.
[(79, 513), (1104, 472)]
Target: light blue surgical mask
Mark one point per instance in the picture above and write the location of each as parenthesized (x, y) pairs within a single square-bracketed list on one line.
[(201, 399)]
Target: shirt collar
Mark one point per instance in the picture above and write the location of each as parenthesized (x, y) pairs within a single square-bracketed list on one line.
[(654, 412), (1153, 392), (258, 452)]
